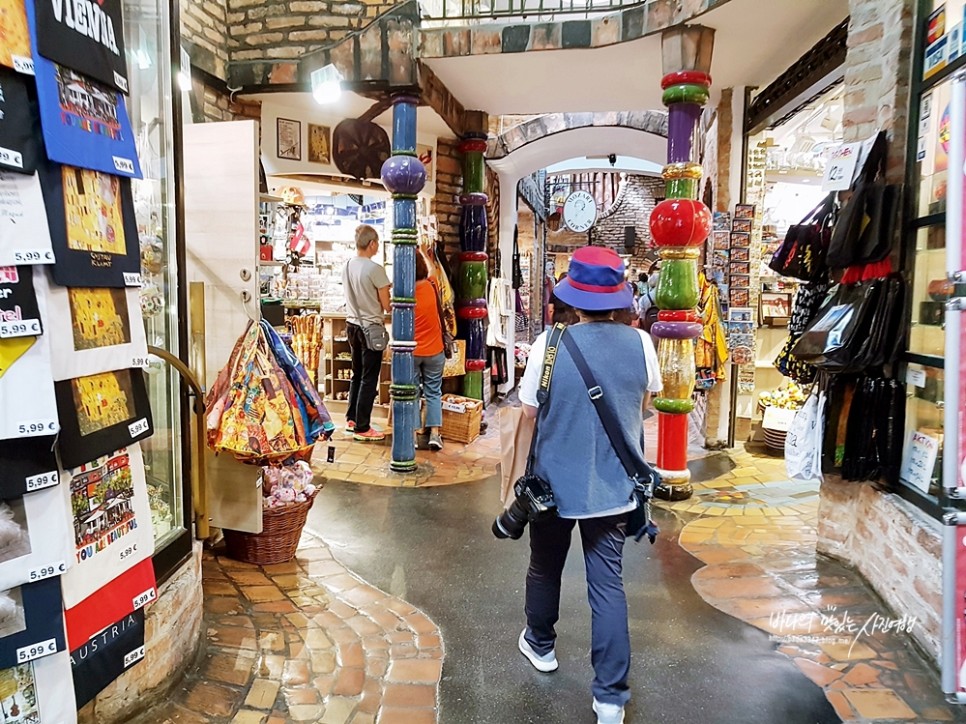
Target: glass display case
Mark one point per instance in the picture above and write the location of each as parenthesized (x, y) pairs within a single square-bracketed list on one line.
[(924, 427), (151, 106)]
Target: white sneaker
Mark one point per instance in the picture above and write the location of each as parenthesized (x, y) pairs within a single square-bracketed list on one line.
[(545, 663), (608, 713)]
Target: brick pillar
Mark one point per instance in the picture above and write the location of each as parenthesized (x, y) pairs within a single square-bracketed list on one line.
[(877, 74)]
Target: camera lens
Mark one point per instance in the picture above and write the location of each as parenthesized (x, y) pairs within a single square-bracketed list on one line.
[(511, 523)]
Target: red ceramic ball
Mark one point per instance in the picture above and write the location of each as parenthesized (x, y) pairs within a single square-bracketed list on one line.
[(680, 222)]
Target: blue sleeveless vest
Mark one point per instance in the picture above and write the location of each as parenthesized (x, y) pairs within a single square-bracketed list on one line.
[(573, 452)]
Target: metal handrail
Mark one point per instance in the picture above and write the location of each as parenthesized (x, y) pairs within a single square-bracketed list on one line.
[(530, 10), (199, 491)]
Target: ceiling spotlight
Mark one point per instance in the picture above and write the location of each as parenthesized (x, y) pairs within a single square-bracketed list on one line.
[(326, 84), (612, 158)]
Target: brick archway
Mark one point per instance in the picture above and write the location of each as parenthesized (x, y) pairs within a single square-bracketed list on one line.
[(513, 139)]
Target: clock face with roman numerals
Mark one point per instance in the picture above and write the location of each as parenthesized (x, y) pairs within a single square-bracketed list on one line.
[(580, 211)]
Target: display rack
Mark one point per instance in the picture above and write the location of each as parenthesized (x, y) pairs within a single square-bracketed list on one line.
[(337, 360)]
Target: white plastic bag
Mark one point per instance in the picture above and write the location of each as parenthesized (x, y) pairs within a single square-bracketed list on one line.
[(803, 444)]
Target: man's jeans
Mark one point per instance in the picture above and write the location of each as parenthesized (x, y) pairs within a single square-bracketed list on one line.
[(603, 543), (366, 366)]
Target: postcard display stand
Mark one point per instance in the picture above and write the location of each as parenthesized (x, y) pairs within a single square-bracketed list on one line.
[(76, 538)]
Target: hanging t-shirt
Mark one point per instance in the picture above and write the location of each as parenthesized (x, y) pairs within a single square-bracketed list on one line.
[(26, 386), (24, 235), (93, 229), (15, 48), (29, 464), (101, 413), (131, 591), (112, 531), (39, 691), (19, 311), (92, 330), (19, 145), (106, 656), (84, 122), (85, 36), (34, 537), (31, 622)]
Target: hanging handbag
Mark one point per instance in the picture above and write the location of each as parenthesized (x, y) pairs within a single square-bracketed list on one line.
[(866, 226), (639, 522), (802, 253), (833, 341), (447, 336)]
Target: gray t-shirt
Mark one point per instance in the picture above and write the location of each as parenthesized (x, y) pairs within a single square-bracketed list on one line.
[(362, 280)]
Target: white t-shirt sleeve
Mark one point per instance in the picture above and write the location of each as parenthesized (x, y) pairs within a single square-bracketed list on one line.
[(654, 382), (530, 384)]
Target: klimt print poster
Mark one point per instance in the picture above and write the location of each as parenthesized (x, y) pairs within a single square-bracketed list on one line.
[(101, 413), (111, 521), (14, 37), (92, 330), (93, 229), (84, 122)]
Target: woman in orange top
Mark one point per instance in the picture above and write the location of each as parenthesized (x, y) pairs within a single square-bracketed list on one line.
[(429, 355)]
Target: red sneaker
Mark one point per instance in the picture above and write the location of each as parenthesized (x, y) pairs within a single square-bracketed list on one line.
[(350, 427), (370, 435)]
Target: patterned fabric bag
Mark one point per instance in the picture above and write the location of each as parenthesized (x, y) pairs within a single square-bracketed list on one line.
[(808, 300)]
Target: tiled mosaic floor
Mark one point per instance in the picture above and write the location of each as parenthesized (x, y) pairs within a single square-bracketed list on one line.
[(307, 641), (756, 533)]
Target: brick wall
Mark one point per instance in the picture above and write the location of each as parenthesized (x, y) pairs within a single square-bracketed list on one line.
[(877, 73), (172, 639), (204, 32), (633, 207), (211, 104), (276, 30), (894, 545)]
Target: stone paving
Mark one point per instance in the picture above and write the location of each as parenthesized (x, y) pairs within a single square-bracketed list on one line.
[(756, 533), (307, 641), (368, 463)]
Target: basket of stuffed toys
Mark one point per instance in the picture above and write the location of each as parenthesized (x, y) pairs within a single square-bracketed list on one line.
[(287, 496)]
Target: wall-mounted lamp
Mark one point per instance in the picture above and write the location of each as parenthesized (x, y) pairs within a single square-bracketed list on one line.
[(326, 84)]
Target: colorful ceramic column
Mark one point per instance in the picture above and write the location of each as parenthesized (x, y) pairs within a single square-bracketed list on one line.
[(471, 294), (679, 225), (404, 176)]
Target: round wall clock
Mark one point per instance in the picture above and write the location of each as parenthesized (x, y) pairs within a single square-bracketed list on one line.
[(579, 211)]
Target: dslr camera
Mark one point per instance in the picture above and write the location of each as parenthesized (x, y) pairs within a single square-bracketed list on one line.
[(534, 500)]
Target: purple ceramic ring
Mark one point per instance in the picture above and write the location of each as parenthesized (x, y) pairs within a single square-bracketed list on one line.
[(677, 330)]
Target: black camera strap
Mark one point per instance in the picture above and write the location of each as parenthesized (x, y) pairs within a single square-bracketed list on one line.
[(543, 393), (641, 476)]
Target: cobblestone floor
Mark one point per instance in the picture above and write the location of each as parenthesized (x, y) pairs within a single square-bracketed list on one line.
[(307, 641), (756, 534)]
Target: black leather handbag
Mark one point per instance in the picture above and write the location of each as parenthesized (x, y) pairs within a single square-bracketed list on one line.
[(802, 253), (866, 227), (834, 339)]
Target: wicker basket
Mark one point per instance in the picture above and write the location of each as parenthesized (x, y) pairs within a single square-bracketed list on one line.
[(281, 531), (462, 417)]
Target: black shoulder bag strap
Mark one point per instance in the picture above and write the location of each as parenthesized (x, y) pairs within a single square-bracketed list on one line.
[(543, 393), (643, 477)]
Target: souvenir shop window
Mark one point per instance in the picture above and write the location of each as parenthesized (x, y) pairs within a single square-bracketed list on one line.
[(147, 35)]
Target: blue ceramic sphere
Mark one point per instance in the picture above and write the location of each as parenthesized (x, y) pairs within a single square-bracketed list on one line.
[(404, 174)]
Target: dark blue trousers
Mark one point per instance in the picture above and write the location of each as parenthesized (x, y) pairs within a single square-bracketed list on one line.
[(603, 543)]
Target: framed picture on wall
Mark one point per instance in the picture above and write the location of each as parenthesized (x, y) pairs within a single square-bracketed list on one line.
[(319, 146), (289, 139)]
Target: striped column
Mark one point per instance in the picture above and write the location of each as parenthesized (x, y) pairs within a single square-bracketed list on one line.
[(680, 225), (404, 176), (471, 296)]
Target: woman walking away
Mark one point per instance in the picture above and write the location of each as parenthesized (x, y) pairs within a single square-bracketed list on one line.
[(430, 356), (591, 488)]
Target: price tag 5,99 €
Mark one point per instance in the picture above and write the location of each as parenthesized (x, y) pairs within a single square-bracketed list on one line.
[(35, 651), (20, 328), (32, 428)]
